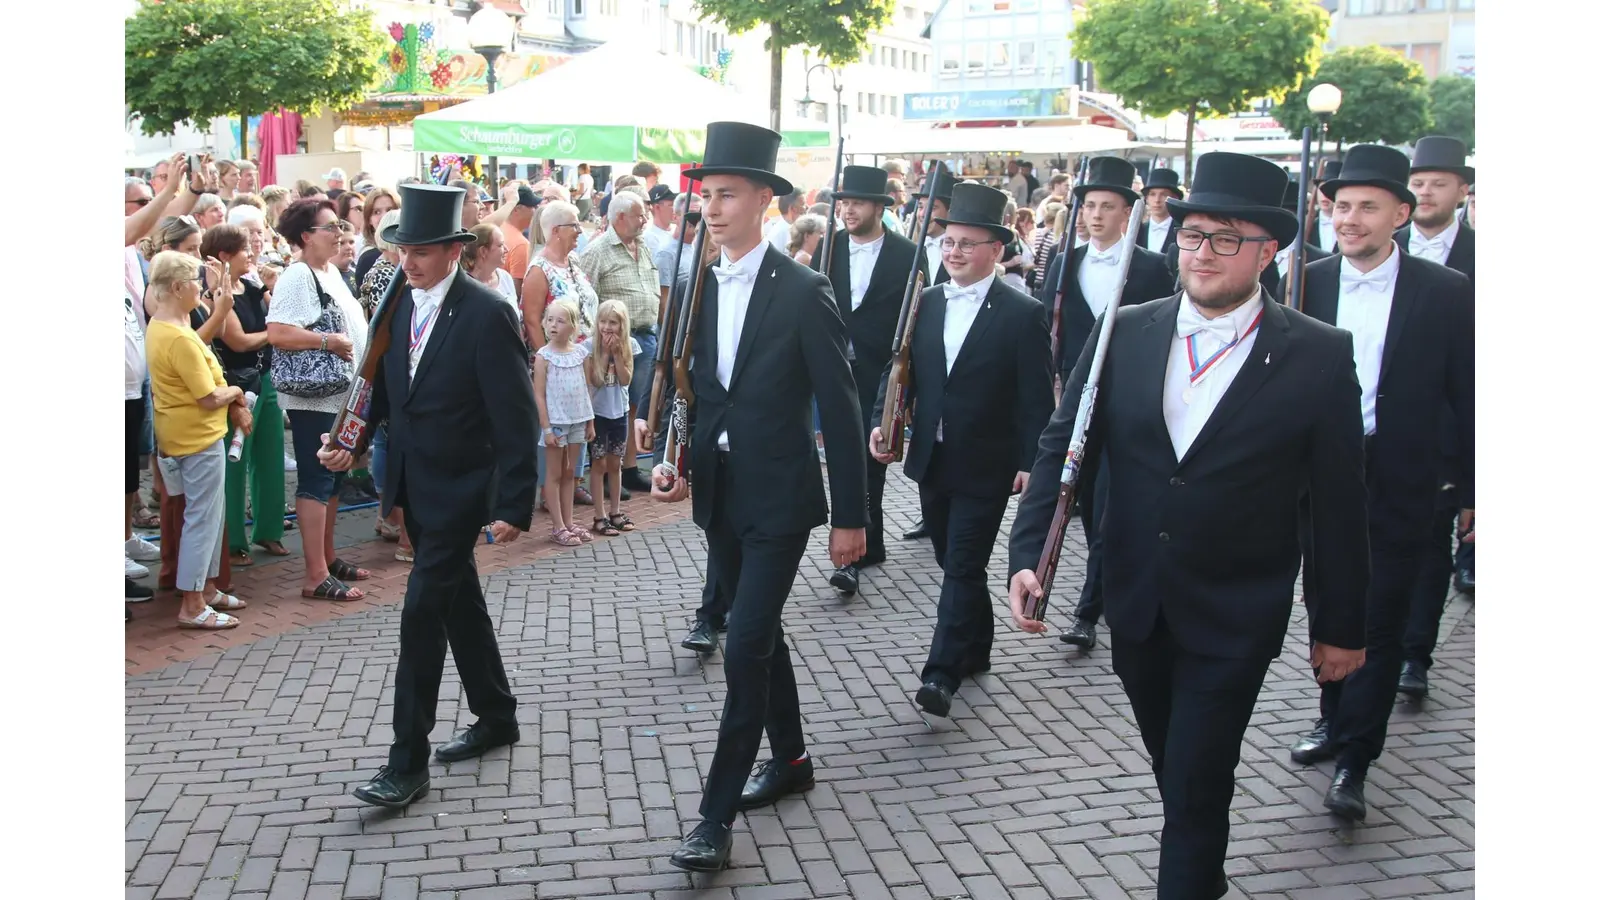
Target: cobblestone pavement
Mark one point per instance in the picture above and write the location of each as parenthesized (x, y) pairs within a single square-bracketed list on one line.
[(239, 763)]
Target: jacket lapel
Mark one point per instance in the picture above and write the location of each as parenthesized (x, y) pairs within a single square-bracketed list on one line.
[(1272, 338), (1462, 251), (441, 327), (1322, 294), (980, 325), (760, 298), (839, 276), (1149, 384), (1406, 286), (400, 336), (930, 322)]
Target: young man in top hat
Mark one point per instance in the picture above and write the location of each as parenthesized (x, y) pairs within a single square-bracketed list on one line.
[(939, 275), (982, 392), (1322, 236), (1412, 324), (453, 387), (869, 282), (1275, 278), (768, 339), (1155, 234), (1440, 180), (1107, 198), (1208, 397)]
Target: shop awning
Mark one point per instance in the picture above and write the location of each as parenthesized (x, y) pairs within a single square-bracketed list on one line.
[(1061, 140)]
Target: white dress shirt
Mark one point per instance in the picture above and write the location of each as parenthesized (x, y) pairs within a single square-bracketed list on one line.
[(1157, 234), (425, 313), (961, 307), (1364, 304), (1185, 406), (1097, 277), (1282, 259), (1437, 248), (1325, 232), (863, 258), (735, 282)]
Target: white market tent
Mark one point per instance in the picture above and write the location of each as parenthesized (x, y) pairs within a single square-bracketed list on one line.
[(618, 103), (1027, 141)]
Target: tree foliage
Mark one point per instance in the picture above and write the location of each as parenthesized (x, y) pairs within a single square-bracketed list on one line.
[(195, 60), (1385, 98), (837, 29), (1202, 57), (1454, 107)]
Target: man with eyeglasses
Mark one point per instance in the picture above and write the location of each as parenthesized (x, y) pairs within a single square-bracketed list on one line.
[(1216, 410), (1107, 198), (980, 394), (1412, 323)]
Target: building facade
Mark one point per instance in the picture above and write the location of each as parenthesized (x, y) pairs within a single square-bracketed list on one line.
[(983, 45), (1438, 34)]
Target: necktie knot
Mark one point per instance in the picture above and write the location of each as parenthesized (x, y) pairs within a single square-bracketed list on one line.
[(726, 274), (1191, 322), (1109, 257), (1352, 282)]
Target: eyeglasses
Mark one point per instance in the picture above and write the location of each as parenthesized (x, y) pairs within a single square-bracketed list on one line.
[(1222, 243), (946, 244), (565, 225), (142, 201), (331, 228)]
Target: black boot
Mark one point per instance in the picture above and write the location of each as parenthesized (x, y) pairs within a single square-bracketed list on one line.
[(1316, 746), (394, 790), (775, 779), (1413, 679), (1081, 635), (706, 849), (702, 639)]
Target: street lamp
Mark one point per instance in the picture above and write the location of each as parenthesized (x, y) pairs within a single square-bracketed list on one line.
[(489, 33), (838, 160), (1323, 101)]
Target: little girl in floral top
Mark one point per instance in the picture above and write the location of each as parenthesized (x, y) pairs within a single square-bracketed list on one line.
[(566, 417)]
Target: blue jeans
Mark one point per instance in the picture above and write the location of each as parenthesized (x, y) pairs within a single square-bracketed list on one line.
[(380, 457), (643, 371)]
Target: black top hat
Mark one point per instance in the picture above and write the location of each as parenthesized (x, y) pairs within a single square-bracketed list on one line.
[(1291, 198), (1163, 178), (1330, 169), (980, 206), (1376, 166), (429, 214), (1109, 173), (947, 180), (1439, 153), (864, 183), (738, 148), (1239, 187)]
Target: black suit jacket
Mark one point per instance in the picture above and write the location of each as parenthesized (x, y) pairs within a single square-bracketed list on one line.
[(791, 348), (1148, 279), (1171, 241), (1210, 542), (1462, 258), (871, 328), (1463, 253), (468, 413), (1427, 369), (994, 401), (1275, 284)]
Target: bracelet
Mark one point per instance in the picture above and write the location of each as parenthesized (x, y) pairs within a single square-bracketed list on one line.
[(324, 342)]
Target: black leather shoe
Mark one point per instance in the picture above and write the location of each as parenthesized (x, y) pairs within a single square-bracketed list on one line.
[(934, 698), (703, 639), (775, 779), (847, 579), (1081, 635), (1345, 795), (1465, 581), (393, 790), (1413, 679), (478, 739), (919, 530), (1316, 746), (706, 849), (634, 480)]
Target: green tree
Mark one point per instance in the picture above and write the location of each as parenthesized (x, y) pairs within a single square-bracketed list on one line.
[(1453, 107), (196, 60), (1385, 98), (1206, 58), (838, 29)]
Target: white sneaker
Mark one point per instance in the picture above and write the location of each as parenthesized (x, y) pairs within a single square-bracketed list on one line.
[(134, 570), (141, 549), (288, 463)]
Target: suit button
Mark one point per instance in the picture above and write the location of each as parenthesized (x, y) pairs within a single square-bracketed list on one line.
[(1175, 482), (1164, 537)]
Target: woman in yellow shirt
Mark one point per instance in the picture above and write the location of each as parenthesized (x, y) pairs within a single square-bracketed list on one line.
[(193, 406)]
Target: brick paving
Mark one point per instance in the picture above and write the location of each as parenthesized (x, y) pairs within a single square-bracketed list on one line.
[(241, 752)]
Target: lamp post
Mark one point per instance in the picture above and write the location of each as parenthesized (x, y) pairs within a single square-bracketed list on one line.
[(1323, 101), (838, 160), (489, 32)]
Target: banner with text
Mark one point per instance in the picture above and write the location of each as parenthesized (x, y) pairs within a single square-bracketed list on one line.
[(1021, 103)]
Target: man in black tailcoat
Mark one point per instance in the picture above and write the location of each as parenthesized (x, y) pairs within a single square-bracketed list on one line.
[(768, 339), (868, 271), (1412, 324), (453, 387), (1216, 410), (981, 393), (1156, 232)]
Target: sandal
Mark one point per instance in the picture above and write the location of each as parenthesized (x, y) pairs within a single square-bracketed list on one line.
[(564, 537), (273, 548), (332, 588), (240, 558), (582, 497), (147, 518), (581, 533), (622, 522), (227, 602), (388, 531), (603, 527), (346, 572), (209, 620), (407, 555)]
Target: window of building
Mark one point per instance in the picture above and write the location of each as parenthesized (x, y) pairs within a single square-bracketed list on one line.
[(894, 106), (1025, 56), (872, 104), (553, 8), (975, 60), (608, 7), (949, 61), (861, 102), (1466, 4), (1431, 5), (1364, 7), (819, 111), (694, 41), (1428, 56), (1000, 56), (680, 39), (577, 9), (894, 57)]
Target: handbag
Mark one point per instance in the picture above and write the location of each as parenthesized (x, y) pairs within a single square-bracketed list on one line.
[(246, 379), (314, 373)]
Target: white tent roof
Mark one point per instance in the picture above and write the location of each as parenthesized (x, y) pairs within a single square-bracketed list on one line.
[(1072, 139), (618, 83)]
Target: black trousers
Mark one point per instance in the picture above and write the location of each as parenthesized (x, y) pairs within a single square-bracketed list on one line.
[(444, 605), (1358, 708), (1092, 601), (877, 474), (963, 528), (1192, 712), (1432, 589), (714, 601), (762, 694)]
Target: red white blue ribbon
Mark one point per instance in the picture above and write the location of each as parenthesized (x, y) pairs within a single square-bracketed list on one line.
[(1199, 369)]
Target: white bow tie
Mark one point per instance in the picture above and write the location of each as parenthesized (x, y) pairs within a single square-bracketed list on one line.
[(856, 248), (1109, 256), (1191, 322), (953, 293), (1353, 282), (731, 273), (1420, 243)]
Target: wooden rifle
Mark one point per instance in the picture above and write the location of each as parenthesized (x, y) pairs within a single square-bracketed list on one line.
[(666, 330), (1294, 286), (1068, 240), (1071, 468), (352, 428), (675, 454), (833, 209), (893, 426)]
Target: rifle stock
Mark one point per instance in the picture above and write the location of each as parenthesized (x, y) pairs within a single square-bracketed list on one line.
[(352, 428), (666, 328), (893, 425), (683, 352), (1071, 468)]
